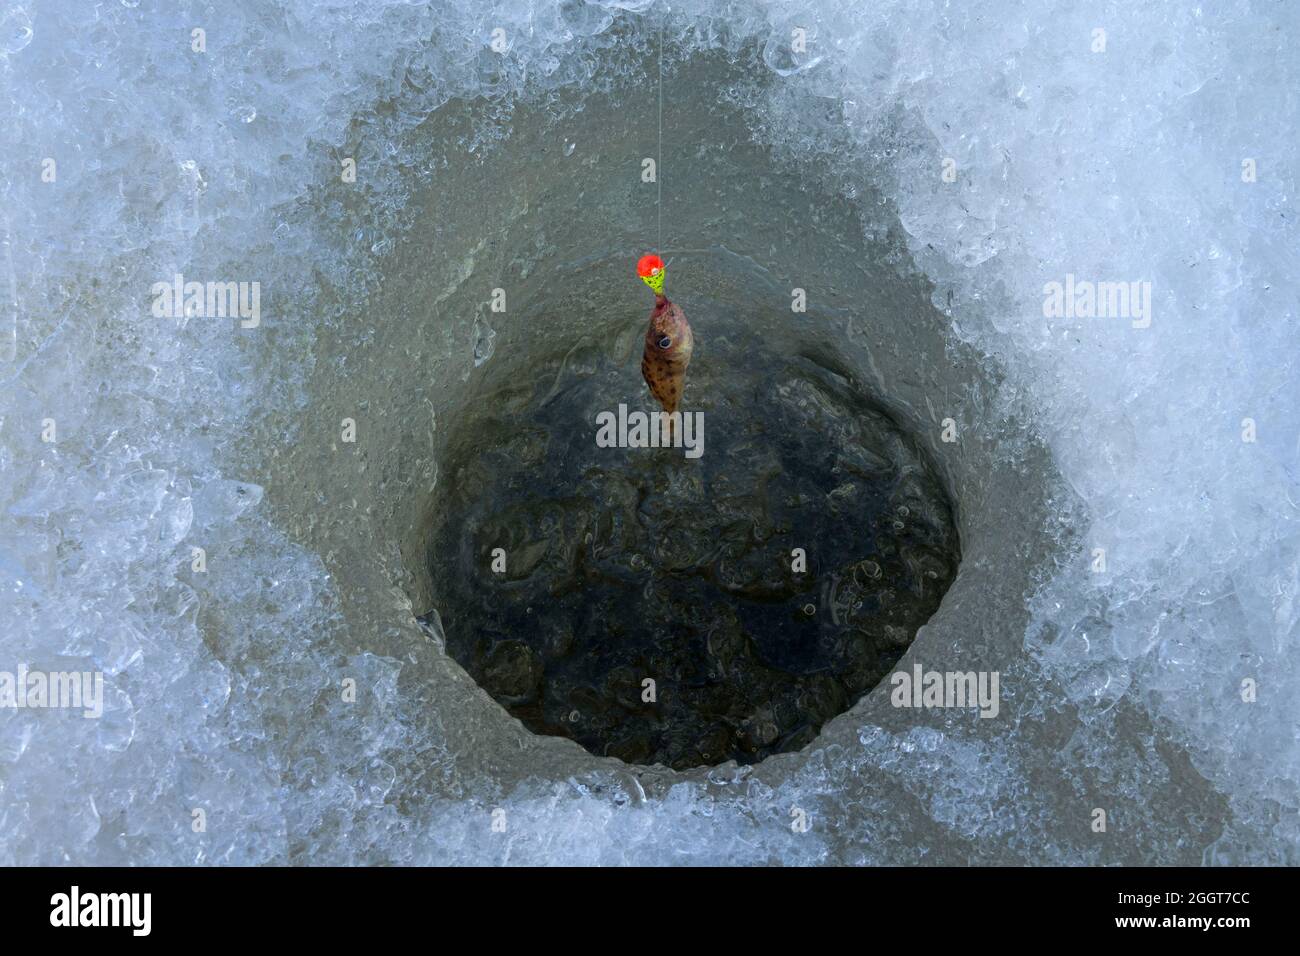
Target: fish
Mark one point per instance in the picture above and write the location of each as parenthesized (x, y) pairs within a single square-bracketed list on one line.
[(669, 342)]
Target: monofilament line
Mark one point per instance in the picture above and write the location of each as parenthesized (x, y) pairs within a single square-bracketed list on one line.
[(659, 163)]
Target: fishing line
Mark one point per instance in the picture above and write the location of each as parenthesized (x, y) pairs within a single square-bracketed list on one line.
[(659, 163)]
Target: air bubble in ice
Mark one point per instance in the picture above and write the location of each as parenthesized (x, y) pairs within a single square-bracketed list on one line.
[(15, 30)]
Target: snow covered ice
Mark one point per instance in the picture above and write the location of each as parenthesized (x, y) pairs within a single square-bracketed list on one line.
[(181, 513)]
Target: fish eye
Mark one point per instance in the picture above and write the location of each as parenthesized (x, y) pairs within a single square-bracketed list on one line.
[(665, 342)]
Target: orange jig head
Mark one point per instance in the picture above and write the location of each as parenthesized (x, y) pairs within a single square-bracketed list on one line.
[(651, 270)]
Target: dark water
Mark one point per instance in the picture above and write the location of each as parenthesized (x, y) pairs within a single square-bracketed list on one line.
[(624, 565)]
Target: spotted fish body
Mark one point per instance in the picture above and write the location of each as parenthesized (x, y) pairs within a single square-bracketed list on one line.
[(668, 345)]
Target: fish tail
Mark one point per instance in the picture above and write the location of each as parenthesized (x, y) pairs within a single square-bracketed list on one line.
[(671, 410)]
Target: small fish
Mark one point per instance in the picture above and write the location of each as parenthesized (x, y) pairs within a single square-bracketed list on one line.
[(668, 341)]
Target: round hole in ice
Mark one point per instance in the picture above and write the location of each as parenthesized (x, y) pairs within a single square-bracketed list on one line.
[(512, 287)]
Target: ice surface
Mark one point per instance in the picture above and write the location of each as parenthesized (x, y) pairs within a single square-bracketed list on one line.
[(224, 687)]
